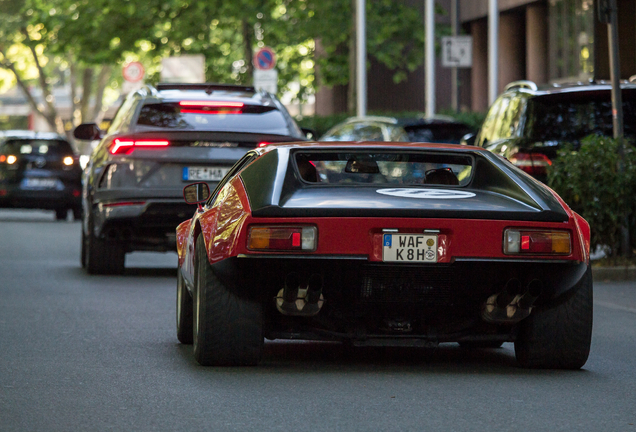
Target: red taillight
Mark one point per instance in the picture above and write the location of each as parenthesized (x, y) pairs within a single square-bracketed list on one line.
[(76, 193), (125, 203), (282, 238), (126, 146), (214, 104), (532, 163), (519, 241), (211, 107), (263, 144)]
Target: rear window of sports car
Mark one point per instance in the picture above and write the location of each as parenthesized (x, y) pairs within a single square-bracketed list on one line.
[(390, 167), (260, 119)]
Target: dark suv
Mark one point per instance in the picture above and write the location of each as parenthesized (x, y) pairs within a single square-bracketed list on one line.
[(41, 171), (161, 139), (528, 125)]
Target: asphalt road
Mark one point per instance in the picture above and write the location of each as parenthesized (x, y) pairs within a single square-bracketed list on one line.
[(80, 353)]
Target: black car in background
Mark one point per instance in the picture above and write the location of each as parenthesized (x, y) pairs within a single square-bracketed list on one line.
[(528, 124), (439, 129), (161, 139), (39, 170)]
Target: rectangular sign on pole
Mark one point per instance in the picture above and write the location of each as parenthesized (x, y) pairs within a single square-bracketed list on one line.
[(266, 80), (457, 51)]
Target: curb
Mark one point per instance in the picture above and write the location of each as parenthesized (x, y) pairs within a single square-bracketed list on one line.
[(614, 274)]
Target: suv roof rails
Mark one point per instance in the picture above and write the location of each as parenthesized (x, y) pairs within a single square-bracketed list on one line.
[(521, 84), (208, 87)]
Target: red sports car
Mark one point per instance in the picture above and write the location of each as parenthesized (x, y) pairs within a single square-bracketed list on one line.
[(383, 244)]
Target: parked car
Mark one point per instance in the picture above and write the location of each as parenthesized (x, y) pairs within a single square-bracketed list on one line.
[(39, 170), (343, 242), (440, 129), (160, 139), (528, 125)]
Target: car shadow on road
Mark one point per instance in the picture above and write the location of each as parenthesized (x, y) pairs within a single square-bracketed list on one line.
[(292, 357), (151, 271)]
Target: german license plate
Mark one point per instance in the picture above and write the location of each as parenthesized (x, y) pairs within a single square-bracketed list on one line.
[(409, 248), (40, 183), (204, 173)]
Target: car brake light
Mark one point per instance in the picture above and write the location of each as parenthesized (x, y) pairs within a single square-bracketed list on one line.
[(215, 104), (536, 242), (282, 238), (126, 146), (211, 107), (532, 163), (125, 203), (263, 144)]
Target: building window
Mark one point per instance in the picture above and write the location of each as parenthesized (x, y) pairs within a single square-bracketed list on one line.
[(571, 39)]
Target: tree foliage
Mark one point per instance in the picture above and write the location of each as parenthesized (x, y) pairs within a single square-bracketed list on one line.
[(85, 36)]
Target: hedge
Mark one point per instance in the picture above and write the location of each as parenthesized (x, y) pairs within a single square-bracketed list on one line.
[(590, 181)]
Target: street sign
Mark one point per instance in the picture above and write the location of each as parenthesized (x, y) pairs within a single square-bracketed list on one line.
[(188, 68), (264, 59), (133, 72), (266, 80), (457, 51)]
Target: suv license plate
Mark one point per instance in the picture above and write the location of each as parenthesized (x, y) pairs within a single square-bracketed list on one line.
[(204, 173), (409, 248), (40, 183)]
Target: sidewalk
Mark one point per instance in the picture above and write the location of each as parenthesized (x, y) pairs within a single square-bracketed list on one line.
[(614, 274)]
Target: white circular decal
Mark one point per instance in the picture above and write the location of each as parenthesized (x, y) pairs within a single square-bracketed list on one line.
[(426, 193)]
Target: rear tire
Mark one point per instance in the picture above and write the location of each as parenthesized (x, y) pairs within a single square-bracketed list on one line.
[(558, 337), (83, 249), (184, 312), (104, 257), (475, 345), (61, 214), (228, 329), (77, 213)]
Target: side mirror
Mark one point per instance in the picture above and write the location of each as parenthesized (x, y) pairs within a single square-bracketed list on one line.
[(310, 134), (196, 193), (468, 139), (88, 132)]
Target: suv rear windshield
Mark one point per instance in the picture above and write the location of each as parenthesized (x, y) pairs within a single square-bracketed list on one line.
[(37, 147), (412, 168), (260, 119), (573, 120)]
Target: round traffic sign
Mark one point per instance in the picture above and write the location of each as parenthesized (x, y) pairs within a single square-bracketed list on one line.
[(133, 72), (264, 59)]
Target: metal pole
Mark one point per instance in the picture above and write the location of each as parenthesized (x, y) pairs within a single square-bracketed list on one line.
[(429, 16), (493, 50), (361, 58), (615, 70), (617, 110), (454, 78)]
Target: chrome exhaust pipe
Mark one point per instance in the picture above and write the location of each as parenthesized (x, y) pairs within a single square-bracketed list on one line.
[(296, 300), (535, 287), (510, 306)]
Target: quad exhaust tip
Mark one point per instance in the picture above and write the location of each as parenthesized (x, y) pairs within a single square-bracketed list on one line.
[(298, 299), (512, 304)]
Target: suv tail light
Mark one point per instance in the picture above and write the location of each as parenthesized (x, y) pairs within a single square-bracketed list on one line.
[(211, 107), (532, 163), (127, 145), (282, 238), (536, 242)]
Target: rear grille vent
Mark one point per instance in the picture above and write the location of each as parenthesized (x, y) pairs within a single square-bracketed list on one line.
[(412, 285)]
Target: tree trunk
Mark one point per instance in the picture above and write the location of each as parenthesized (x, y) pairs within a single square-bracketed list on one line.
[(351, 87), (74, 99), (87, 87), (248, 31), (102, 81)]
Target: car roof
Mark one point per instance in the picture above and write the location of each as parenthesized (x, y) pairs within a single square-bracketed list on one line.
[(29, 134), (361, 145), (579, 87)]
